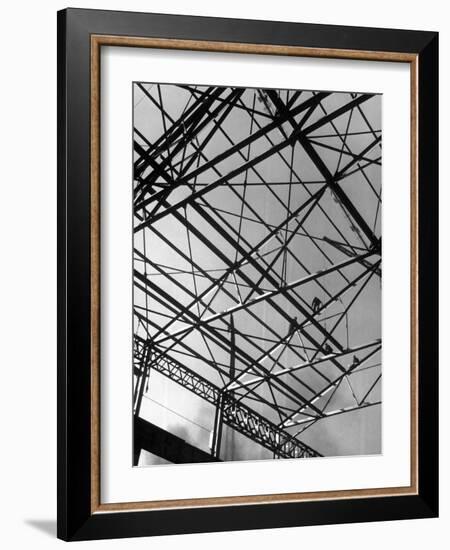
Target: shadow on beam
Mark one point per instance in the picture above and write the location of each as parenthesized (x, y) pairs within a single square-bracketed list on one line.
[(162, 443)]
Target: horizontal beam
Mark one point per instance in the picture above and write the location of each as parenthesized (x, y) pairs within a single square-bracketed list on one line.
[(343, 410), (166, 445), (304, 365)]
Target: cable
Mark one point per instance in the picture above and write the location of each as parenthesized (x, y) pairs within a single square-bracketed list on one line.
[(178, 414)]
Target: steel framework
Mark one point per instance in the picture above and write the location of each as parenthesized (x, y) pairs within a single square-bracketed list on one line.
[(257, 258)]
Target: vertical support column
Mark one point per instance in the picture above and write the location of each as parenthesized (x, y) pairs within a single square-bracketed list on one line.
[(218, 420), (136, 450), (145, 374), (217, 430), (232, 353)]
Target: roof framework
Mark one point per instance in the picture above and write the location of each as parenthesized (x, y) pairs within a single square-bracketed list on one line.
[(257, 256)]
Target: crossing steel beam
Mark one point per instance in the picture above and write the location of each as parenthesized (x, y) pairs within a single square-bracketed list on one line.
[(257, 251)]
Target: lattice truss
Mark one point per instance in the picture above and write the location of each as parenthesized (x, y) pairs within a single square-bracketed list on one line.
[(257, 267)]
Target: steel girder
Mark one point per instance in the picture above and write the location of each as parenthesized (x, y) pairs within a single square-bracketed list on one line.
[(256, 308)]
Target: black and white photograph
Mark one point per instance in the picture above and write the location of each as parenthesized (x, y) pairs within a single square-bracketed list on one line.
[(256, 273), (226, 253)]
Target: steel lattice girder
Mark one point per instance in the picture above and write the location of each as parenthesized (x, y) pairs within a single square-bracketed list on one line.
[(236, 415)]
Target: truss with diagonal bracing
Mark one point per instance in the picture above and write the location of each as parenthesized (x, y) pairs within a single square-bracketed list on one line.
[(257, 271)]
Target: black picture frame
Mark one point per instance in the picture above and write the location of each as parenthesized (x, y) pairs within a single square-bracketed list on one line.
[(76, 518)]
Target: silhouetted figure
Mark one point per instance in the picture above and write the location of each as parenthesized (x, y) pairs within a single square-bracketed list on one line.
[(293, 326), (316, 304), (327, 349)]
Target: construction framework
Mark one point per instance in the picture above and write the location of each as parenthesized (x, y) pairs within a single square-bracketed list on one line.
[(257, 264)]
